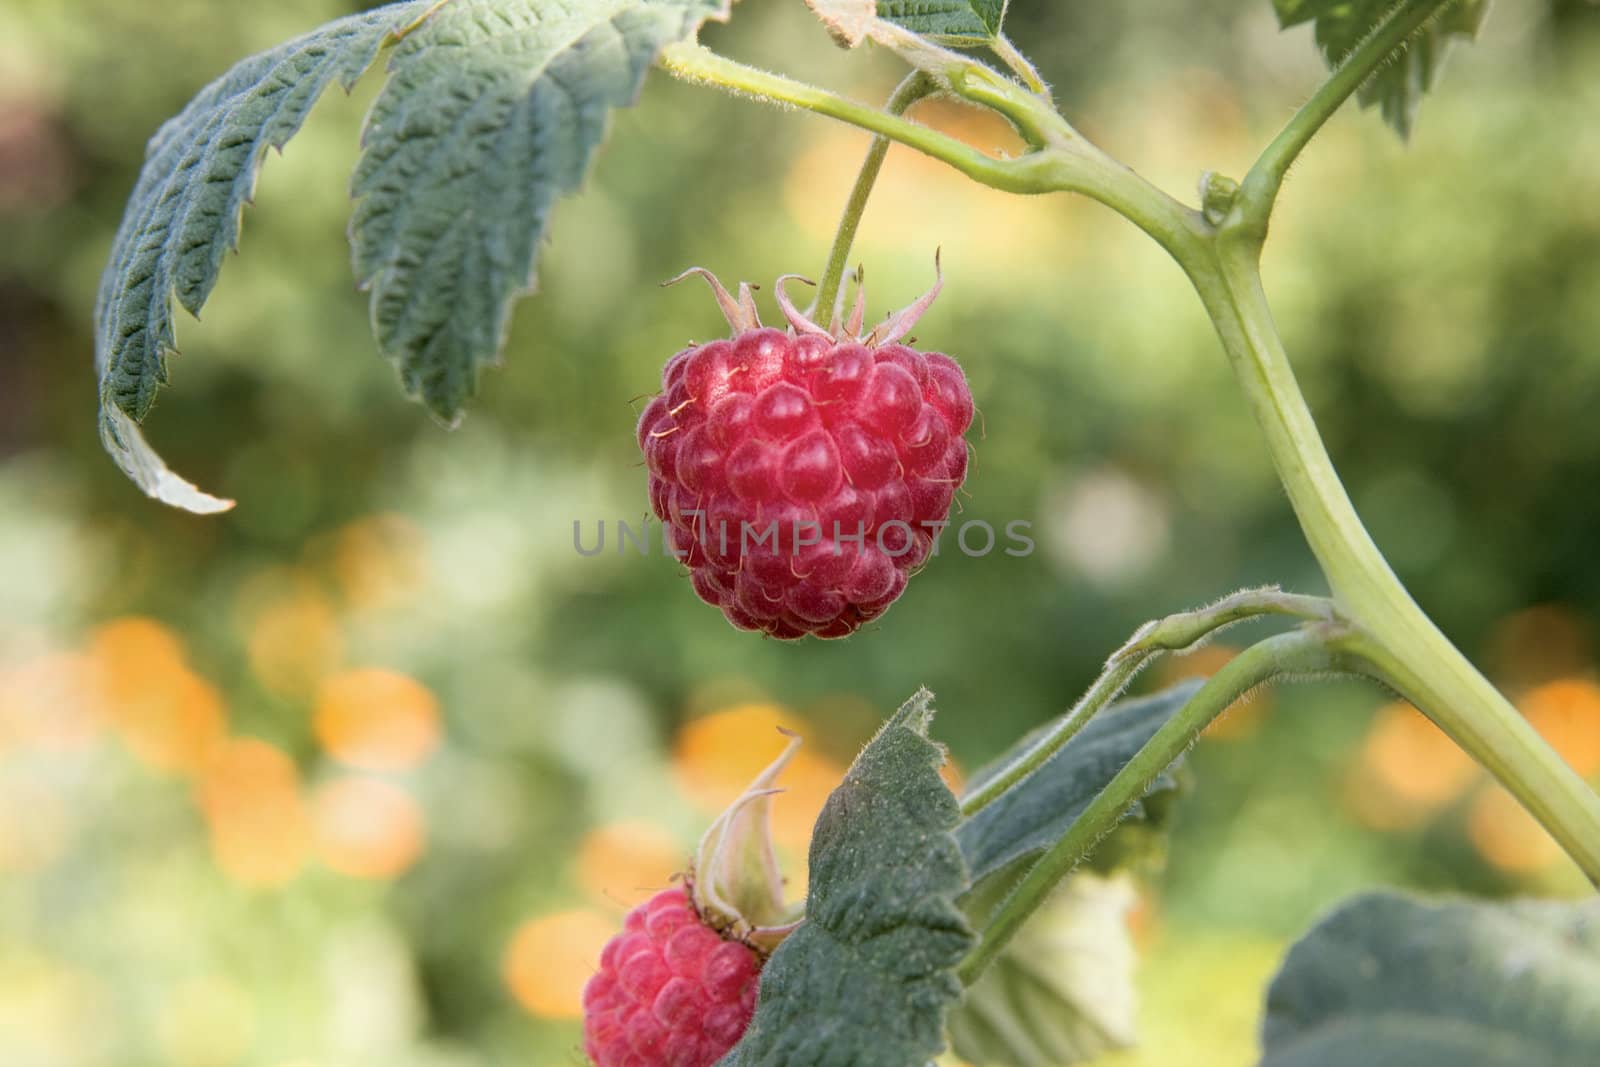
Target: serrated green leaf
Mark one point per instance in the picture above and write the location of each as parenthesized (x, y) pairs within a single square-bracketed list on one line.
[(1397, 88), (947, 21), (966, 23), (869, 975), (1388, 981), (184, 215), (492, 111), (1061, 993), (1036, 811)]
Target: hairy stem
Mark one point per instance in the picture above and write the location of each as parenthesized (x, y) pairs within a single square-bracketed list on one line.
[(1171, 634), (1259, 190), (1067, 163), (915, 86), (1412, 653), (1303, 651), (694, 62), (1007, 53)]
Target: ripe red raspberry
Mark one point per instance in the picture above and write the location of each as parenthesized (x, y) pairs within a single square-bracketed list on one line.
[(804, 474), (670, 992)]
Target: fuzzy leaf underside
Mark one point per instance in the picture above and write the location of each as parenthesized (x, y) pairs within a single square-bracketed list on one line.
[(947, 21), (492, 110), (869, 975), (1389, 981), (1034, 813), (184, 215), (1398, 87)]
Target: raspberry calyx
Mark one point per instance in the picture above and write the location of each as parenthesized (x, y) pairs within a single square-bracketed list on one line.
[(678, 986), (804, 474)]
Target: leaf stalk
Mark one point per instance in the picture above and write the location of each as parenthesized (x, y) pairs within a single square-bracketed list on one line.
[(1175, 633), (1302, 651), (915, 86), (1259, 190)]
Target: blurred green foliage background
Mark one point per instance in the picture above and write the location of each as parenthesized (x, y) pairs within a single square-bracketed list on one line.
[(364, 771)]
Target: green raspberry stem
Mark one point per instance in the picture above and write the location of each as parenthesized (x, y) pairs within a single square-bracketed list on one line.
[(915, 86), (696, 63), (1414, 656), (1302, 651), (1259, 190), (1171, 634)]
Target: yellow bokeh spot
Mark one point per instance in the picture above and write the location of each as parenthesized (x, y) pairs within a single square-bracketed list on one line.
[(627, 862), (1200, 994), (1567, 714), (367, 828), (716, 757), (50, 1005), (376, 719), (551, 957), (207, 1022), (168, 716), (249, 793), (1408, 770), (292, 632)]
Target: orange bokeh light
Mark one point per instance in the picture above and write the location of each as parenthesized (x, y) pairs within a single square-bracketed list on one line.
[(716, 757), (168, 716), (1567, 714), (177, 729), (551, 957), (376, 719), (249, 793), (626, 862), (1408, 770), (132, 645), (1507, 836)]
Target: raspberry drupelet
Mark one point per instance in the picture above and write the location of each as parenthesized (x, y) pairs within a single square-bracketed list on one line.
[(670, 991), (804, 474)]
